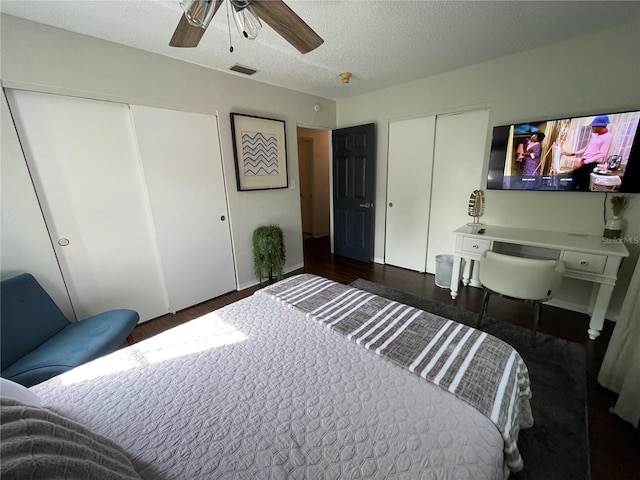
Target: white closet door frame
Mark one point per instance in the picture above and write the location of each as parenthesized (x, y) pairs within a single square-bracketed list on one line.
[(83, 159), (182, 165), (409, 176)]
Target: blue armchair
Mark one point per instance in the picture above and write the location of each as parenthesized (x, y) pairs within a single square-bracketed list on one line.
[(37, 340)]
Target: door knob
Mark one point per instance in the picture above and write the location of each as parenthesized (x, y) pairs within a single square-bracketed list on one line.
[(222, 218), (63, 242), (390, 204)]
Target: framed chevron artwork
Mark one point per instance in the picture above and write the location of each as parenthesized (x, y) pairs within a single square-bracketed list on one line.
[(260, 151)]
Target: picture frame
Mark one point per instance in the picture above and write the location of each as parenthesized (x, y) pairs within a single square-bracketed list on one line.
[(260, 152)]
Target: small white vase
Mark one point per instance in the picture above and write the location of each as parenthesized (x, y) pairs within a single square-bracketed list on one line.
[(613, 227)]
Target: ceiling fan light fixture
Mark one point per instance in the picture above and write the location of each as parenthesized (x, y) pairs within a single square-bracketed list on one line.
[(246, 19), (198, 12)]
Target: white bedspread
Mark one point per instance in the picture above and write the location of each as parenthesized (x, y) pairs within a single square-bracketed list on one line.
[(256, 390), (480, 369)]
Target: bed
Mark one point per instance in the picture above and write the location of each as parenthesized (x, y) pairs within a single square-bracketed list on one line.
[(307, 378)]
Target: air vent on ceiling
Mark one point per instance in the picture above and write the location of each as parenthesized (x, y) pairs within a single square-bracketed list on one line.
[(241, 69)]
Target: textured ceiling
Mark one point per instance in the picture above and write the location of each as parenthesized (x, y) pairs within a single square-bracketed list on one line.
[(383, 43)]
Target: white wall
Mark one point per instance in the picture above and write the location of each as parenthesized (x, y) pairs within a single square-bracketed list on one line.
[(41, 58), (590, 74)]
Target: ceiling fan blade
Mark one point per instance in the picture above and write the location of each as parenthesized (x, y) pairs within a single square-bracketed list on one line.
[(287, 24), (188, 36)]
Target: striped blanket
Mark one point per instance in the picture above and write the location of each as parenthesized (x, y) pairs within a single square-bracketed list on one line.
[(476, 367)]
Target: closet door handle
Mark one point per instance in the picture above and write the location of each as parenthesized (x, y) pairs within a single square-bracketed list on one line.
[(63, 242), (223, 218)]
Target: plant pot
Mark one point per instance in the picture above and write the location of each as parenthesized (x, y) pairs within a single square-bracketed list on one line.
[(613, 228)]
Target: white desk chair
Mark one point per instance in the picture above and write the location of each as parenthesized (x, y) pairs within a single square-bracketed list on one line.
[(519, 278)]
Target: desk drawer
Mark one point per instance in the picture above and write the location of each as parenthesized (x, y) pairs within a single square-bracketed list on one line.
[(475, 245), (584, 262)]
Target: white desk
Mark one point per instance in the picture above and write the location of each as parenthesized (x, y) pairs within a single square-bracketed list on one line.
[(586, 257)]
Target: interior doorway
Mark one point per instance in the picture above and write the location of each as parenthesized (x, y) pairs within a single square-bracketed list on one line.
[(313, 169), (305, 166)]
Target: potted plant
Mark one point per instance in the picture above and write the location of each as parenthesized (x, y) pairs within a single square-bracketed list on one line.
[(618, 204), (613, 226), (268, 252)]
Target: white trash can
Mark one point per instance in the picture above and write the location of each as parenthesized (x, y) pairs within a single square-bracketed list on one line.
[(444, 269)]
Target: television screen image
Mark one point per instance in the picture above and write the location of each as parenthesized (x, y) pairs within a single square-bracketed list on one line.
[(596, 153)]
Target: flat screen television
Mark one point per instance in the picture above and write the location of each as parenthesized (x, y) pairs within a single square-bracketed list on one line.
[(595, 153)]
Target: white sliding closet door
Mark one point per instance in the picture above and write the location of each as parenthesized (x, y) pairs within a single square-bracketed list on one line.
[(83, 159), (457, 171), (409, 192), (26, 246), (183, 173)]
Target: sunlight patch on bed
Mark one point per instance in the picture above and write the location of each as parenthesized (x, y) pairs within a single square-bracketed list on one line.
[(199, 335), (109, 365), (206, 333)]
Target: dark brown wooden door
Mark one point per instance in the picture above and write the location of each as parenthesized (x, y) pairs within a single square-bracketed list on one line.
[(354, 191)]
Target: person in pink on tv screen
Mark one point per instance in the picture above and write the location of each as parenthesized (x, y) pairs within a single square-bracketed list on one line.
[(591, 155)]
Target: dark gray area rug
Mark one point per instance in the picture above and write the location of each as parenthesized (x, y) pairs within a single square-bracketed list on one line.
[(557, 446)]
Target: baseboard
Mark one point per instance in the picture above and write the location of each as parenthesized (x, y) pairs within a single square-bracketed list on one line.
[(294, 267), (255, 282)]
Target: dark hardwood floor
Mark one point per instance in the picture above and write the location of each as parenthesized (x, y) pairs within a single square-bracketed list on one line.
[(614, 443)]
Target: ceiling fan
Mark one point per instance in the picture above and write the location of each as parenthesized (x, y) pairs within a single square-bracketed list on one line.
[(247, 14)]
